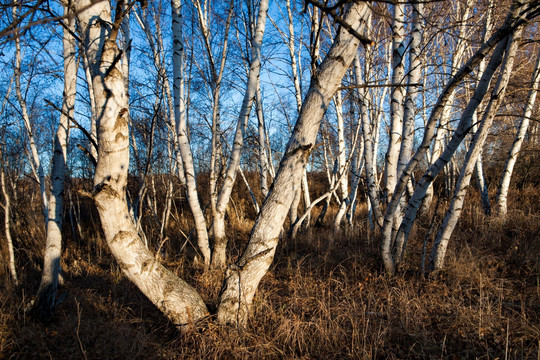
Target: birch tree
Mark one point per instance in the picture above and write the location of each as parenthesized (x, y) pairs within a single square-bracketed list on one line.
[(244, 276), (6, 206), (182, 134), (219, 255), (174, 297), (526, 11), (396, 99), (452, 215), (51, 276), (502, 191)]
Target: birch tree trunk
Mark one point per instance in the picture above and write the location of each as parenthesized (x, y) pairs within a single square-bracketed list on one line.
[(458, 136), (452, 215), (502, 192), (182, 133), (51, 275), (512, 21), (175, 298), (219, 254), (369, 151), (35, 161), (396, 99), (444, 122), (244, 276), (7, 220)]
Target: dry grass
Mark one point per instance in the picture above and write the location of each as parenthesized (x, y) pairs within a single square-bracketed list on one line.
[(317, 302)]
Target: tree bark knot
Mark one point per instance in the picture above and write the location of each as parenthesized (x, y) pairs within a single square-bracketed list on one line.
[(104, 190)]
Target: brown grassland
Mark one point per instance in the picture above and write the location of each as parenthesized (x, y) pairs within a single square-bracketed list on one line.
[(325, 297)]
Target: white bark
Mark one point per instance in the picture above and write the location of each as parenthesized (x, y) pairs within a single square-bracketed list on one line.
[(458, 136), (369, 152), (219, 256), (243, 277), (7, 221), (396, 99), (444, 122), (510, 24), (35, 161), (410, 103), (175, 298), (52, 272), (415, 71), (182, 133), (502, 192), (452, 215)]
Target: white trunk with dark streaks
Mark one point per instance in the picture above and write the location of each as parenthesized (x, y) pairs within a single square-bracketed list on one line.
[(415, 71), (396, 99), (458, 136), (219, 255), (182, 133), (243, 277), (451, 218), (7, 221), (444, 122), (369, 151), (175, 298), (510, 24), (51, 275), (35, 161), (502, 191), (410, 105)]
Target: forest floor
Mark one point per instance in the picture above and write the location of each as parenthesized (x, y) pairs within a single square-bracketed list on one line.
[(325, 297)]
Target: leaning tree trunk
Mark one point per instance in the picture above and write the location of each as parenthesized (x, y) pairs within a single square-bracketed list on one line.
[(244, 276), (460, 133), (51, 276), (175, 298), (512, 22), (502, 192), (452, 215), (219, 255)]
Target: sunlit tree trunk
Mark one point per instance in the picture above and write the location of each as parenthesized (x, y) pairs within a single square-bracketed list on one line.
[(175, 298), (502, 192), (446, 156), (452, 215), (244, 276), (182, 133), (511, 23), (219, 255), (444, 122), (409, 115), (51, 275), (396, 99)]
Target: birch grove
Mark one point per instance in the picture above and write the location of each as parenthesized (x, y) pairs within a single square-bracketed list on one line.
[(372, 116)]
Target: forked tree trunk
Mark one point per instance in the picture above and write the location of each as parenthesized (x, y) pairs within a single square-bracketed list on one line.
[(243, 277), (175, 298), (219, 254), (51, 276), (511, 23), (502, 192), (446, 157), (452, 215)]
